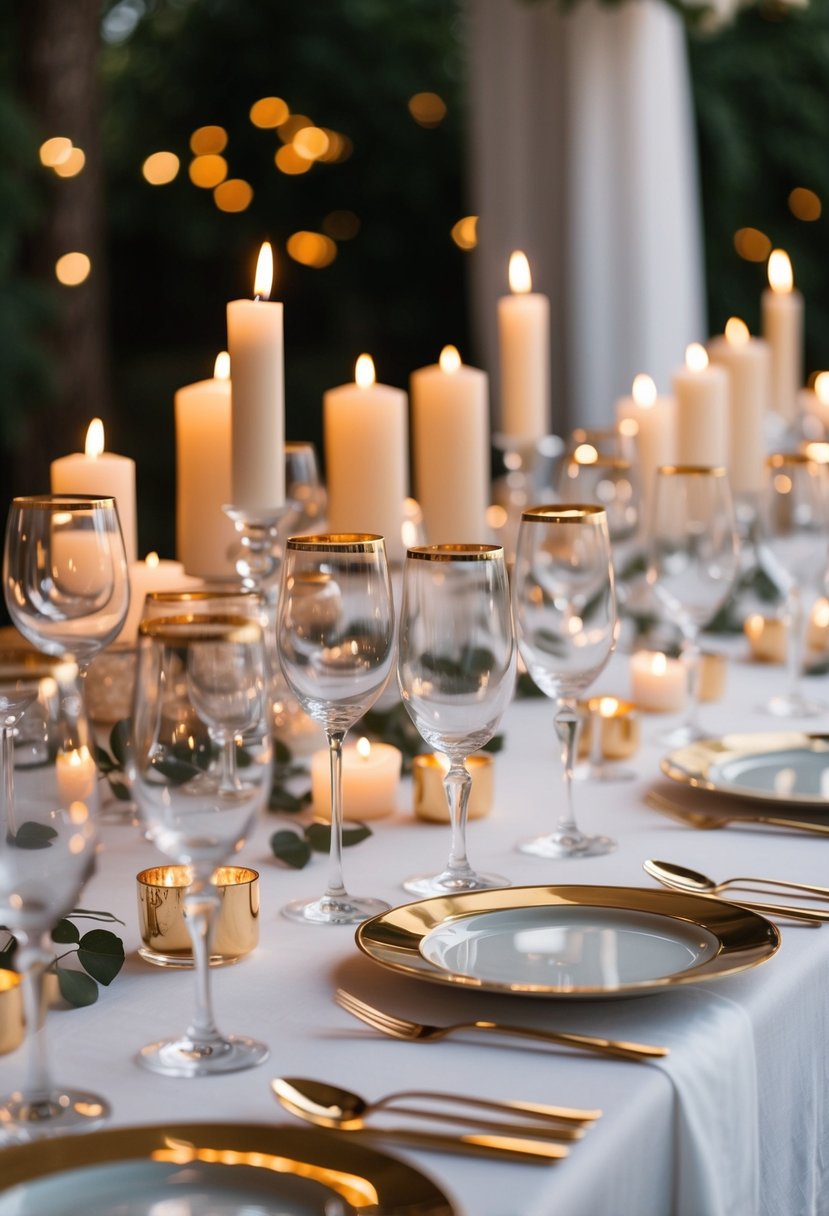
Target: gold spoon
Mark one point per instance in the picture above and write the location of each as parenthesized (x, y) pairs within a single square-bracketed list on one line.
[(678, 878)]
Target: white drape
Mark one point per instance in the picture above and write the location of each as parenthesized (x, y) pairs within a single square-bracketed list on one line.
[(582, 153)]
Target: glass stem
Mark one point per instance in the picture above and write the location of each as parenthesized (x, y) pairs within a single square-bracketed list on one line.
[(596, 757), (796, 641), (200, 905), (37, 1091), (568, 725), (691, 658), (7, 760), (457, 783), (335, 888)]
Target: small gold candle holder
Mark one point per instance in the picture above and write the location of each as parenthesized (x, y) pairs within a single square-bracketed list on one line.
[(164, 934), (817, 635), (429, 796), (610, 732), (12, 1021), (766, 637), (712, 672)]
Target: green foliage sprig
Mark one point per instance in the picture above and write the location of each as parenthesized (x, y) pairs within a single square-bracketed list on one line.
[(100, 953)]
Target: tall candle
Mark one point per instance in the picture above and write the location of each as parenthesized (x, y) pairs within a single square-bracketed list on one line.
[(701, 393), (366, 457), (813, 406), (782, 309), (95, 471), (450, 434), (254, 336), (204, 534), (652, 421), (747, 361), (524, 341)]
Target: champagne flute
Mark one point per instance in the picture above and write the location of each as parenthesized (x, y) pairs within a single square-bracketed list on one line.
[(200, 769), (456, 671), (65, 573), (794, 548), (564, 604), (336, 644), (693, 563), (48, 808)]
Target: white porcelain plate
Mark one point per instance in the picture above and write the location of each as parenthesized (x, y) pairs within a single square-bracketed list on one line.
[(785, 768)]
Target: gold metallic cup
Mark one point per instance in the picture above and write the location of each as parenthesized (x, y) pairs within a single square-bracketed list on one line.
[(12, 1022), (766, 637), (164, 934), (712, 672), (618, 723), (429, 796)]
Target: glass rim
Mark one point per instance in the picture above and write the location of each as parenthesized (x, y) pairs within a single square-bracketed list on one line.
[(341, 542), (600, 461), (16, 662), (202, 593), (203, 627), (776, 459), (155, 876), (692, 470), (565, 513), (455, 552), (63, 502)]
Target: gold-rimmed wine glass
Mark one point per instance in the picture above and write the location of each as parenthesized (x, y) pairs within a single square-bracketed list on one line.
[(564, 605)]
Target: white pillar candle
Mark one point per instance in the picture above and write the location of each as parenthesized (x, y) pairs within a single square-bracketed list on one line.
[(813, 407), (782, 310), (450, 435), (747, 362), (152, 574), (95, 471), (371, 776), (76, 775), (651, 420), (366, 457), (701, 393), (658, 684), (254, 336), (204, 534), (524, 343)]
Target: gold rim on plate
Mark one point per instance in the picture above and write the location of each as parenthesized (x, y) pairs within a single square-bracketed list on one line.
[(699, 765), (365, 1178), (737, 939)]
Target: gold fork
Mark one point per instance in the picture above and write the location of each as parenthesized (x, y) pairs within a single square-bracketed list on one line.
[(707, 821), (401, 1028)]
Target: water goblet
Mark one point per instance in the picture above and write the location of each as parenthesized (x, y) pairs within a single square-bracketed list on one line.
[(65, 573), (693, 563), (610, 483), (200, 768), (48, 809), (456, 672), (564, 604), (794, 549), (336, 644)]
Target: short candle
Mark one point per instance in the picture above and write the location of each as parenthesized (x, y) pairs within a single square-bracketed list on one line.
[(618, 726), (659, 684), (766, 638), (371, 776)]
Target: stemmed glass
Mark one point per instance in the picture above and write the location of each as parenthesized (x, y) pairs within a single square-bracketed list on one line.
[(564, 604), (65, 573), (336, 643), (693, 563), (48, 807), (200, 768), (456, 671), (611, 483), (794, 548)]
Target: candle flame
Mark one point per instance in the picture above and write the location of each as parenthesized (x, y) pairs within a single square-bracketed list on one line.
[(818, 452), (263, 281), (659, 664), (820, 614), (696, 357), (736, 332), (221, 368), (608, 706), (152, 559), (450, 359), (754, 626), (585, 453), (520, 279), (629, 427), (94, 445), (822, 387), (644, 390), (363, 748), (781, 278), (364, 371)]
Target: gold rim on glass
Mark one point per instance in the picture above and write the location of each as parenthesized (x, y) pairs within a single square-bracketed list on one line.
[(561, 513), (455, 553), (778, 459), (342, 542), (691, 470), (204, 594), (63, 502), (183, 630), (601, 462)]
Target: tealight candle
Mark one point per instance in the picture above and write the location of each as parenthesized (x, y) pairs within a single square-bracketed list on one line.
[(429, 796), (153, 574), (782, 309), (371, 776), (76, 775), (166, 939), (659, 684), (524, 343), (618, 726), (701, 392), (766, 638), (95, 471), (12, 1022)]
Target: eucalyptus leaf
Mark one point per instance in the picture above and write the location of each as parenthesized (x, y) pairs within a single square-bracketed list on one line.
[(495, 745), (119, 740), (101, 953), (291, 848), (178, 772), (122, 792), (103, 760), (31, 835), (76, 988), (282, 754), (286, 802), (91, 914), (65, 932), (318, 835)]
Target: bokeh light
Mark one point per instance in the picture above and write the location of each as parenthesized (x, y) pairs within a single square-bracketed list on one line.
[(752, 244), (269, 112), (288, 160), (311, 142), (311, 249), (233, 195), (73, 164), (804, 204), (161, 168), (72, 269), (294, 123), (465, 232), (208, 171), (427, 109), (208, 141), (55, 151)]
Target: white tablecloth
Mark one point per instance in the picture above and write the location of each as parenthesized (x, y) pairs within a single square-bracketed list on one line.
[(735, 1122)]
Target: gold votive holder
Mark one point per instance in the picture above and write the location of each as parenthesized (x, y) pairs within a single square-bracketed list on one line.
[(766, 637), (817, 633), (712, 674), (429, 796), (164, 934), (618, 725), (12, 1021)]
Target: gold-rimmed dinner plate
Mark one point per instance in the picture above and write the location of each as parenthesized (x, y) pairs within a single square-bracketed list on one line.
[(779, 767), (568, 942), (211, 1169)]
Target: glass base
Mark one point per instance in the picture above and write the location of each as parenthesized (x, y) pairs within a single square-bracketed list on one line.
[(342, 910), (681, 736), (185, 1058), (448, 883), (64, 1110), (604, 772), (183, 961), (794, 707), (567, 844)]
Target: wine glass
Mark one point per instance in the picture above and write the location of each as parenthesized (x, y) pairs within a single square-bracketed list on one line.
[(794, 548), (456, 672), (336, 644), (200, 768), (305, 492), (65, 573), (48, 808), (564, 604), (693, 563), (611, 483)]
